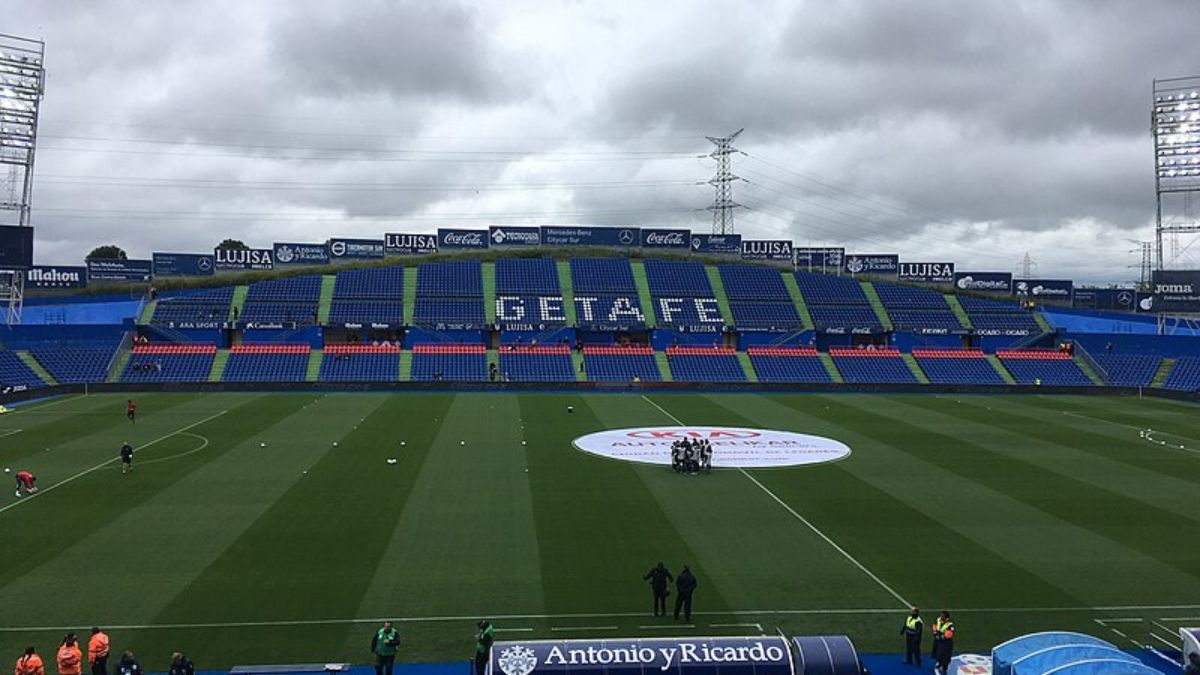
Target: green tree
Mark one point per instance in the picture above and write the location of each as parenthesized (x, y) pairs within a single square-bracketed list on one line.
[(232, 245), (107, 252)]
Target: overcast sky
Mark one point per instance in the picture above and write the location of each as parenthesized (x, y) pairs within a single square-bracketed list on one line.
[(965, 131)]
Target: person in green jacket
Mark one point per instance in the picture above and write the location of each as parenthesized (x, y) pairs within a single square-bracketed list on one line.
[(483, 645), (383, 646)]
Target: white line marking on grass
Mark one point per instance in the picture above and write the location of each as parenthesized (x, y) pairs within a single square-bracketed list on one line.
[(106, 462), (736, 625), (565, 617), (668, 626), (1166, 628), (1145, 431), (569, 628), (40, 406), (10, 432), (1163, 640), (1180, 618), (168, 458), (1126, 620), (514, 630)]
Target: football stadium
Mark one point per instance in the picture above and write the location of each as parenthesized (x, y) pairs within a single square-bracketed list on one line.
[(522, 445)]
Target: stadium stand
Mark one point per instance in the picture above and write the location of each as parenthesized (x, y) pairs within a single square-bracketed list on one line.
[(370, 295), (527, 276), (450, 294), (606, 296), (14, 372), (291, 299), (758, 299), (204, 306), (956, 366), (872, 366), (602, 276), (1128, 370), (1184, 375), (705, 364), (267, 363), (994, 315), (620, 364), (1043, 366), (449, 362), (844, 316), (837, 302), (682, 294), (169, 363), (916, 309), (75, 363), (788, 364), (361, 363), (536, 363)]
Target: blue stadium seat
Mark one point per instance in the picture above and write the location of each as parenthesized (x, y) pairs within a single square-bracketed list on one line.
[(943, 366), (527, 277), (881, 366), (704, 364), (169, 363), (620, 364), (1128, 370), (449, 363), (14, 372), (895, 296), (1184, 375), (75, 364), (788, 364), (609, 311), (602, 276), (827, 289), (844, 316), (1047, 366), (678, 279), (208, 305), (757, 284), (536, 364), (291, 299), (375, 283), (776, 316), (267, 363), (451, 279), (360, 363)]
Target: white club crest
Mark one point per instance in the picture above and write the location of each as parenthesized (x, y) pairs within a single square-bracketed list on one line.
[(517, 660)]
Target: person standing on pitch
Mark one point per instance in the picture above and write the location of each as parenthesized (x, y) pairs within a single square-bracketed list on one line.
[(483, 645), (30, 663), (943, 643), (126, 458), (69, 658), (660, 578), (685, 585), (911, 630), (98, 651), (383, 646), (128, 665)]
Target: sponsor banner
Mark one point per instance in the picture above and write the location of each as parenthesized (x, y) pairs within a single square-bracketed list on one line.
[(244, 258), (266, 325), (374, 325), (819, 258), (1048, 289), (183, 264), (1119, 299), (101, 269), (666, 238), (449, 238), (717, 244), (56, 276), (1146, 302), (970, 664), (587, 235), (355, 249), (16, 247), (515, 236), (733, 447), (766, 249), (763, 655), (410, 244), (198, 325), (880, 264), (1007, 332), (288, 253), (1176, 291), (927, 272), (984, 281), (852, 330)]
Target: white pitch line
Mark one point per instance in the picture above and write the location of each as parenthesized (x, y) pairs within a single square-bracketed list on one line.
[(514, 630), (10, 432), (1180, 618), (1166, 628), (168, 458), (556, 629), (1168, 643), (40, 406), (1135, 428), (668, 627), (106, 462), (1125, 620), (736, 625)]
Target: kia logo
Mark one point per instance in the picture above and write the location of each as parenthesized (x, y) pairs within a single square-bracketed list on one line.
[(692, 433)]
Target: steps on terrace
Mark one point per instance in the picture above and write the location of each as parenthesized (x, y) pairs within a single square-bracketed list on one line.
[(488, 276), (664, 366), (1088, 370), (218, 366), (831, 367), (36, 367), (793, 289), (718, 286), (328, 281), (406, 359), (876, 304), (410, 294), (915, 367), (1164, 371), (568, 290), (999, 366), (747, 367), (957, 308), (643, 289), (147, 312), (314, 365), (577, 365), (238, 300)]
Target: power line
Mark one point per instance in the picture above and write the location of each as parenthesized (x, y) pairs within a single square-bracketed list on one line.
[(403, 159), (202, 183)]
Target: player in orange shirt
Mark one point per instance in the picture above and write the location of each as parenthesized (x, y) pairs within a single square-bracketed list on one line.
[(30, 663), (131, 411), (26, 481)]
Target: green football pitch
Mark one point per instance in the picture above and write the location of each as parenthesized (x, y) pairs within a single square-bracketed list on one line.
[(1018, 513)]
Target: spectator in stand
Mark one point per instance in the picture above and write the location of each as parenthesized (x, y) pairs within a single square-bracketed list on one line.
[(98, 643), (69, 658), (128, 665), (181, 665), (30, 663)]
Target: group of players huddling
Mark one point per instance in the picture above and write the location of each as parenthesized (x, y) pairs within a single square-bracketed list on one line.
[(691, 456), (27, 482)]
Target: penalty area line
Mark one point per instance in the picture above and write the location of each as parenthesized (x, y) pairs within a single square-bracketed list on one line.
[(106, 462), (846, 554)]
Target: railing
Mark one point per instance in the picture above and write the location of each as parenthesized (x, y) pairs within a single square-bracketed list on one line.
[(1100, 370), (126, 341)]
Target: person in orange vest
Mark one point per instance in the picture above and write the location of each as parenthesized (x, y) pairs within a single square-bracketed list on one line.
[(70, 658), (30, 663), (98, 651), (943, 643)]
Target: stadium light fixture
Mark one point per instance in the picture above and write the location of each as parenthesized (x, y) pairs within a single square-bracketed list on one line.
[(1175, 127)]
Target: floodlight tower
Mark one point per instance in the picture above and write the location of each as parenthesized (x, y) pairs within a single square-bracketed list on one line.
[(21, 80), (1175, 125), (723, 204)]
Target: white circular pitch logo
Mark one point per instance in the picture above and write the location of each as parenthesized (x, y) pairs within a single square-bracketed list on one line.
[(733, 447)]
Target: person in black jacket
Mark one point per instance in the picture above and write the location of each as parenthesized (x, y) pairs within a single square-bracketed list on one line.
[(912, 629), (128, 665), (659, 577), (181, 665), (685, 585)]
